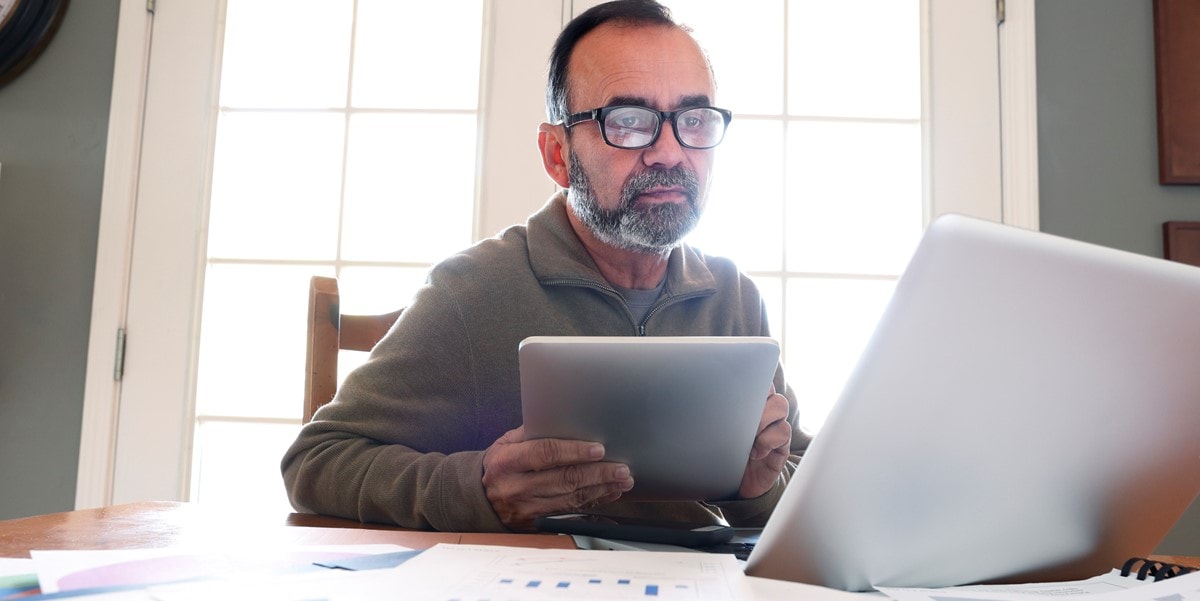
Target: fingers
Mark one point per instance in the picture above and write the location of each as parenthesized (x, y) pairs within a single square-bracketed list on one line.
[(579, 485), (519, 498), (774, 431), (526, 478), (550, 452), (771, 449), (511, 454)]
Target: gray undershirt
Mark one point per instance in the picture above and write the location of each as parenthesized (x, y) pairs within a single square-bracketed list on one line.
[(640, 301)]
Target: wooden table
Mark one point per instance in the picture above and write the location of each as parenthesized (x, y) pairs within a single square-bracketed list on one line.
[(161, 524), (1182, 560)]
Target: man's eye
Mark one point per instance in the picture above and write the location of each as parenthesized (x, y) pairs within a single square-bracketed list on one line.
[(633, 121)]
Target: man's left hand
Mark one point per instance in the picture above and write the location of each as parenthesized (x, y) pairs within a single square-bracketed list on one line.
[(771, 447)]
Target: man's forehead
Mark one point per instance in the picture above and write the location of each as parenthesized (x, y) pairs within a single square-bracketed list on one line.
[(658, 63), (680, 101)]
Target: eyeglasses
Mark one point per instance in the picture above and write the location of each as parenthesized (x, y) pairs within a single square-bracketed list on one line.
[(634, 127)]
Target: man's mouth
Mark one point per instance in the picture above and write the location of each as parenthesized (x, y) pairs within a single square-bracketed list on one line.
[(664, 195)]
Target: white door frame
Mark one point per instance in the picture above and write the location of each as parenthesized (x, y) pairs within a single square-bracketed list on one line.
[(1010, 197), (97, 441)]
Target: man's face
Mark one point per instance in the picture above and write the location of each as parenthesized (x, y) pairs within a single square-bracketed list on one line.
[(643, 200)]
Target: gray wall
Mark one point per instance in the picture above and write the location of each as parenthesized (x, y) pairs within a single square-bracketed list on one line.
[(1098, 144), (53, 128), (1097, 127), (1097, 166)]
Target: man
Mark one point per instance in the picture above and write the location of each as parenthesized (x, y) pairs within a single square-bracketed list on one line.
[(427, 434)]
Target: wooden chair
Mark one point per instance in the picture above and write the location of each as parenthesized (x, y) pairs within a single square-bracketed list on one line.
[(328, 332)]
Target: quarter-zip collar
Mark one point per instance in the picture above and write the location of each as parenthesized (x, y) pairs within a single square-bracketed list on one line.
[(558, 258)]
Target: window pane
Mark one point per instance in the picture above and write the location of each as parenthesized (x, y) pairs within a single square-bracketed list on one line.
[(771, 290), (276, 186), (253, 342), (854, 58), (746, 197), (410, 187), (373, 290), (854, 197), (745, 43), (237, 467), (286, 53), (829, 323), (418, 54)]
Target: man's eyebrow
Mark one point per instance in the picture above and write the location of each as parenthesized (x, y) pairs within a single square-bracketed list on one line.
[(696, 100), (628, 100), (684, 101)]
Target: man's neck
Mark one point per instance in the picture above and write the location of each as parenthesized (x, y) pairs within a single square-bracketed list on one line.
[(624, 268)]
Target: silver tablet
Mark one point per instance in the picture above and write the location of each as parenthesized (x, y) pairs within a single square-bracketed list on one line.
[(682, 412)]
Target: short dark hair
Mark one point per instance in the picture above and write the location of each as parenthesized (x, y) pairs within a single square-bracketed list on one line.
[(640, 12)]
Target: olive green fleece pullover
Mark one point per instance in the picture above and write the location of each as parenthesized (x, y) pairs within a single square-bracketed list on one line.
[(403, 440)]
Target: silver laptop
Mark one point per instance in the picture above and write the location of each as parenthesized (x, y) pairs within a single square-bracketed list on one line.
[(682, 412), (1028, 409)]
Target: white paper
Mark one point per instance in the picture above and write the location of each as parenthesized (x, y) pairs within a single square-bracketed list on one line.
[(1106, 587), (475, 572), (767, 589), (74, 570), (14, 566), (326, 585), (16, 576)]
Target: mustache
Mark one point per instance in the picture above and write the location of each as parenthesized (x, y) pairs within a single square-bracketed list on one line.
[(647, 180)]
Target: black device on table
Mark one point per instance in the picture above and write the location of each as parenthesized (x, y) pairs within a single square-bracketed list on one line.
[(684, 534)]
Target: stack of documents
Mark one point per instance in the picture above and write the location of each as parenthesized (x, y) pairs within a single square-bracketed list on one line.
[(477, 573)]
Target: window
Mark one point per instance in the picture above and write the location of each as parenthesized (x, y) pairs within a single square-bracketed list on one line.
[(336, 153), (817, 188), (811, 213)]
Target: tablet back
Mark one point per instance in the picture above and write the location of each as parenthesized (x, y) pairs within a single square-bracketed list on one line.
[(1028, 408), (682, 412)]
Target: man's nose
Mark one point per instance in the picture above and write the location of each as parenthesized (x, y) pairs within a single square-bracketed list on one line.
[(666, 150)]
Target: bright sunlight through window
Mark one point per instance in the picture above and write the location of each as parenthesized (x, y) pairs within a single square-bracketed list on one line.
[(347, 144)]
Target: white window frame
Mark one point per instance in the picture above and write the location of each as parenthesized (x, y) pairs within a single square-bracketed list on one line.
[(136, 434)]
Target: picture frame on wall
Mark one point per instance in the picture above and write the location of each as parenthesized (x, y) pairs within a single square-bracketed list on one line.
[(1177, 82), (1181, 242)]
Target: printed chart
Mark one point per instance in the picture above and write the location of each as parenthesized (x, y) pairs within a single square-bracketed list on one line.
[(475, 573)]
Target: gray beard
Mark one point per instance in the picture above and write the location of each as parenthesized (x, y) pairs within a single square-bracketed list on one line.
[(654, 228)]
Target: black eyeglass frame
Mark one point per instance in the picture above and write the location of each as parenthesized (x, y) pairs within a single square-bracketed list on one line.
[(599, 115)]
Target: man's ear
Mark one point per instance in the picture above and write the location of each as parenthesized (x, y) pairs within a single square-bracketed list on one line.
[(552, 144)]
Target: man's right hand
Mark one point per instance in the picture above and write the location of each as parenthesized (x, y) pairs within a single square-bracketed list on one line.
[(527, 478)]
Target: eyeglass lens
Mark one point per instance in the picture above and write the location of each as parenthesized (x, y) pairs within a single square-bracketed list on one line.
[(636, 127)]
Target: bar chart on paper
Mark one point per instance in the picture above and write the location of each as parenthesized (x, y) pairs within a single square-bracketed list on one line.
[(585, 587), (471, 573)]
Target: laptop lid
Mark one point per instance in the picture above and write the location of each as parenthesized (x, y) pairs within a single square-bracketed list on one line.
[(682, 412), (1028, 408)]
